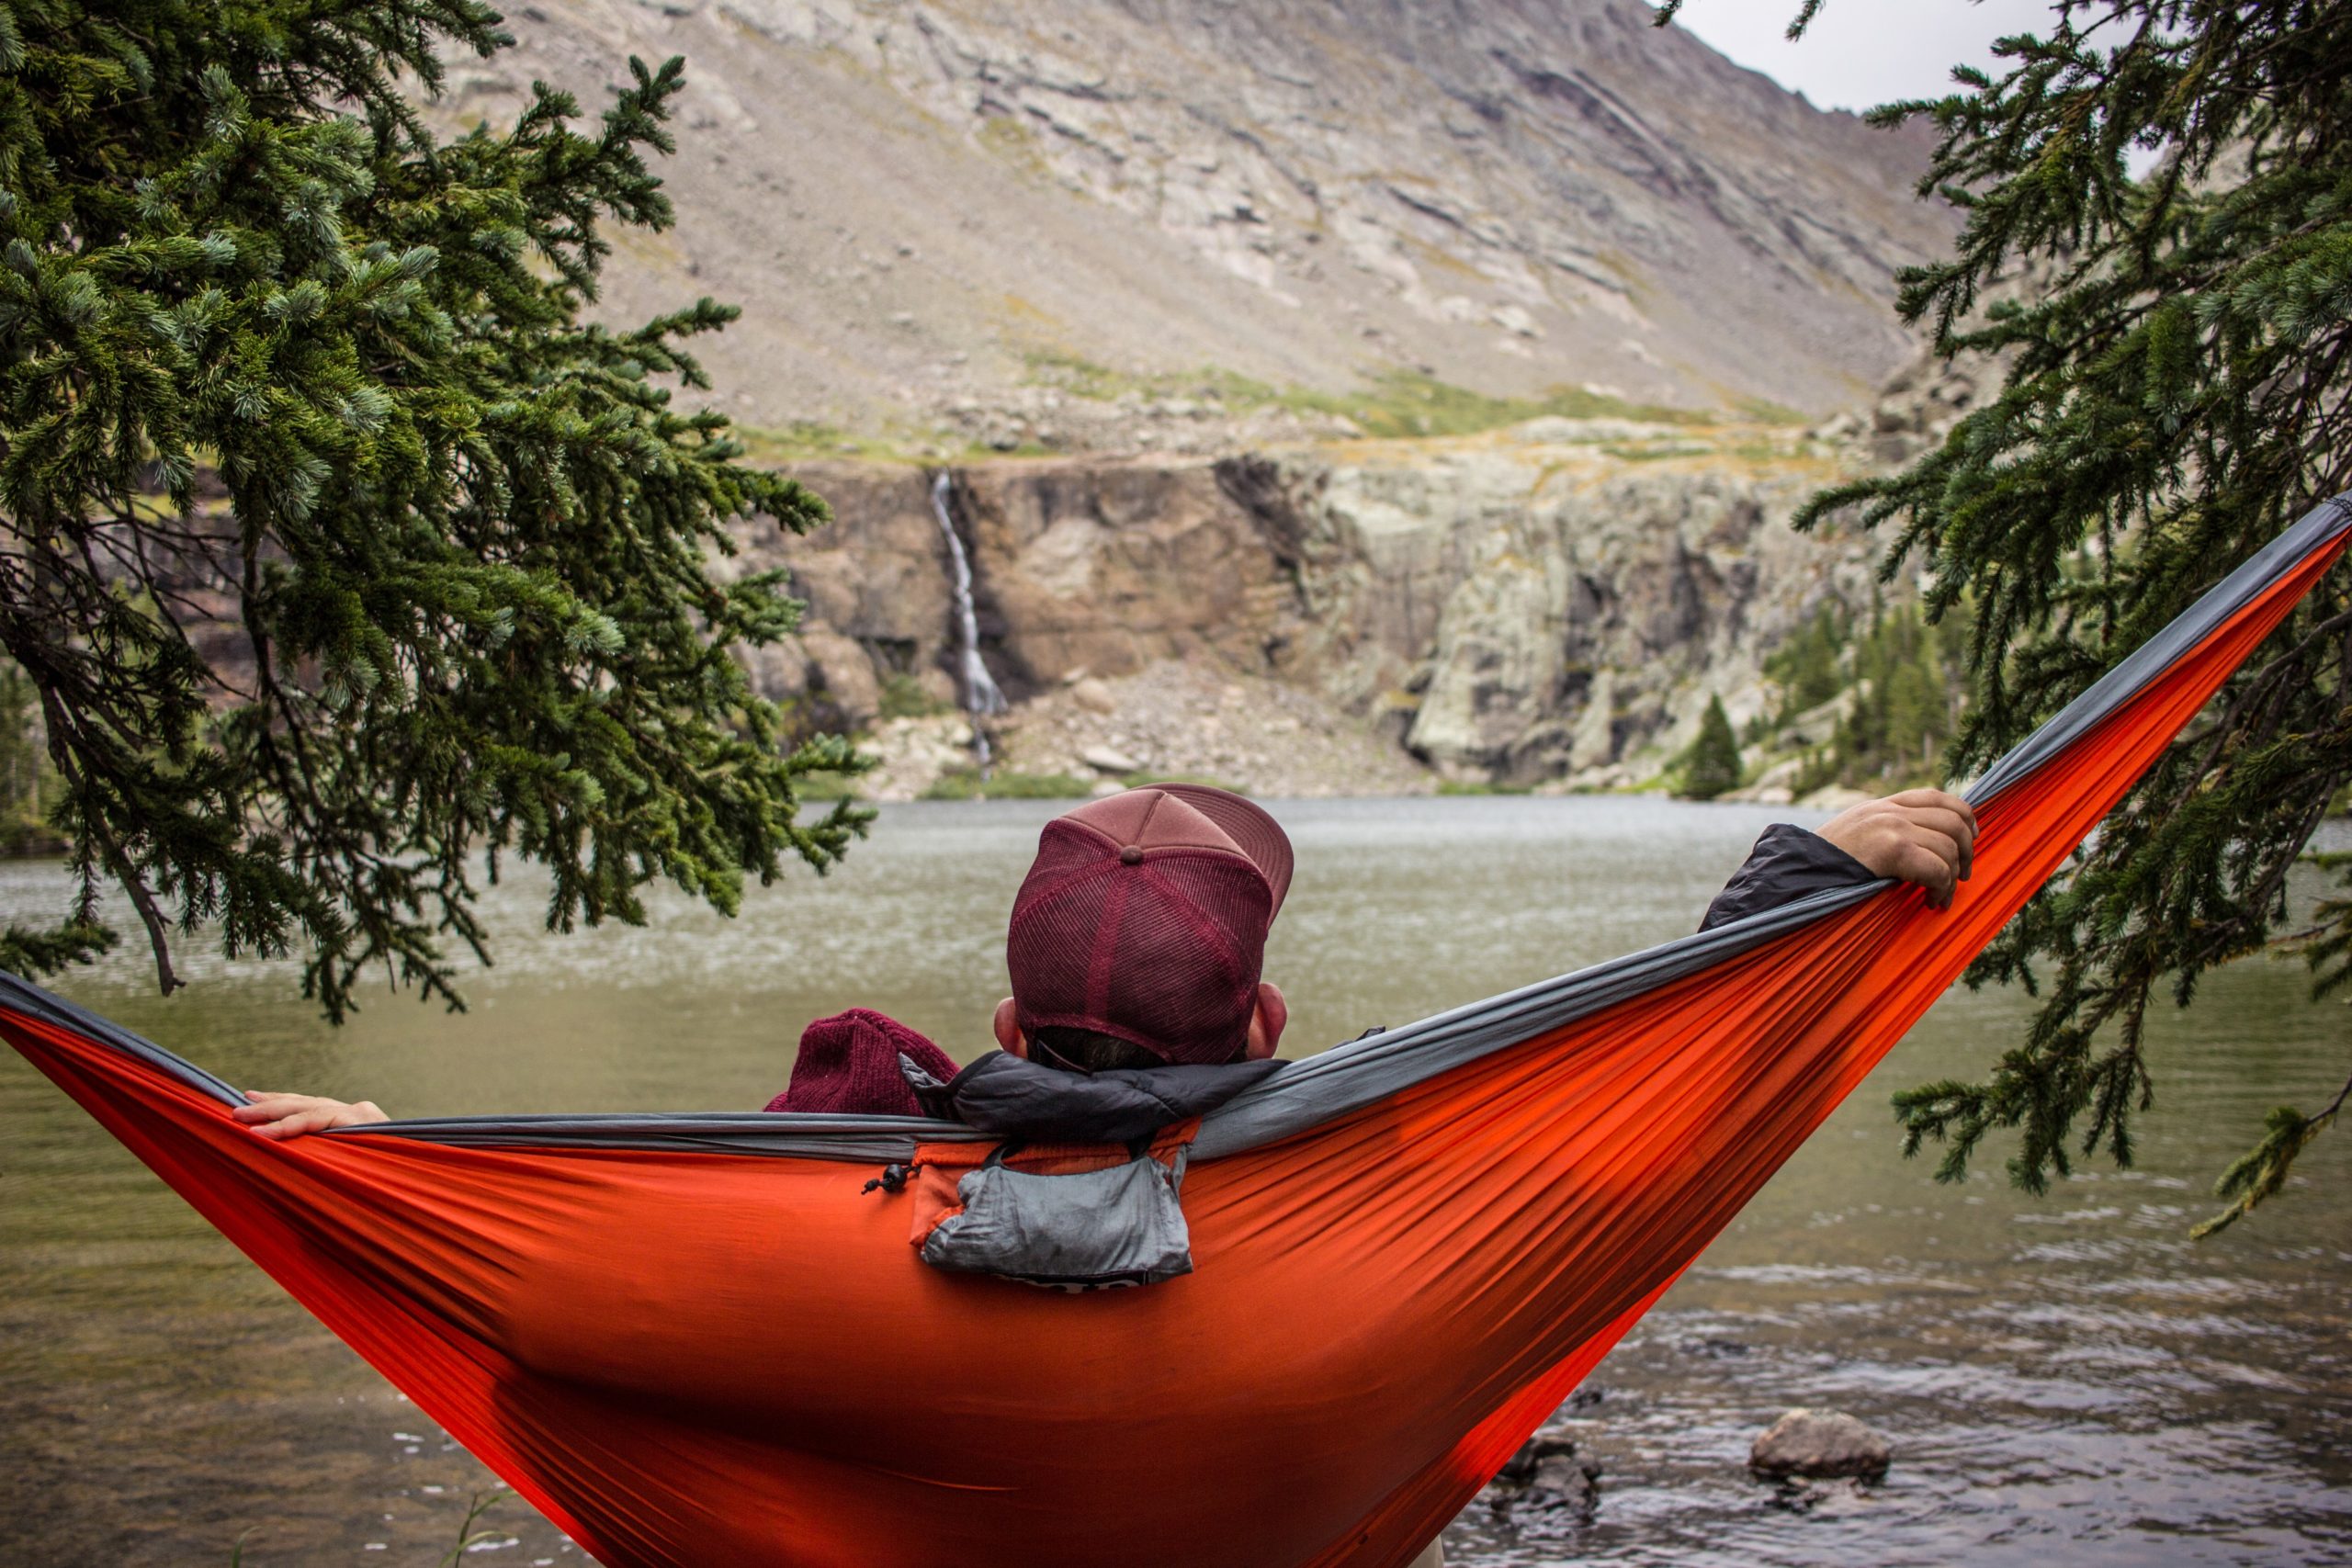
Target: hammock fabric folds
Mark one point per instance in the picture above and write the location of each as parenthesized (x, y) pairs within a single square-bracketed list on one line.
[(696, 1340)]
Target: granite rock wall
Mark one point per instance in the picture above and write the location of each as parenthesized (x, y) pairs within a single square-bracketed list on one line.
[(1553, 602)]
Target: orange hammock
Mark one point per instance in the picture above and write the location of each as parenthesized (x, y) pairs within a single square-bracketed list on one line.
[(698, 1341)]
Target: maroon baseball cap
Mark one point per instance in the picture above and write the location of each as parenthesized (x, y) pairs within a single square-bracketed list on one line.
[(1145, 918)]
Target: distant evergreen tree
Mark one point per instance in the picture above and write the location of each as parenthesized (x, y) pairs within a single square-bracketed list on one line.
[(1907, 681), (1807, 664), (27, 783), (2180, 392), (464, 553), (1904, 704), (1711, 764)]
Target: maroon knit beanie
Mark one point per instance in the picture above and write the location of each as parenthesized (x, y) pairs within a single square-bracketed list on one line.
[(1145, 919), (848, 1066)]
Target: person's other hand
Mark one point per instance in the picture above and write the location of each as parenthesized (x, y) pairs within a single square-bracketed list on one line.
[(1922, 835), (291, 1115)]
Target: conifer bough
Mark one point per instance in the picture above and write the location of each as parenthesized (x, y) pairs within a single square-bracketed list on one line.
[(460, 592), (2177, 394)]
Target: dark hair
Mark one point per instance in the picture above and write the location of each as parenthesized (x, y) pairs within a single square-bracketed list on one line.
[(1087, 1051)]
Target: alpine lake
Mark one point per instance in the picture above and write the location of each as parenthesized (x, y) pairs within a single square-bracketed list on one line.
[(2066, 1380)]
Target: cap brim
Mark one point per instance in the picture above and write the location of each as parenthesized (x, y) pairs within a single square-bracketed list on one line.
[(1247, 824)]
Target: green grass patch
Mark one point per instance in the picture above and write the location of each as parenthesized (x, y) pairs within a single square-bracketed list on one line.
[(1395, 405), (1764, 411), (826, 785), (965, 784), (1399, 403), (1143, 779), (1655, 451), (1013, 140), (809, 440), (1407, 403), (903, 697), (1481, 786)]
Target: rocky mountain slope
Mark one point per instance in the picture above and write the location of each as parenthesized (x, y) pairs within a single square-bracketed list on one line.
[(1024, 223)]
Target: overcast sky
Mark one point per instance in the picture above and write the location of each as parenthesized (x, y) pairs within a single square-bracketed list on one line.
[(1860, 53)]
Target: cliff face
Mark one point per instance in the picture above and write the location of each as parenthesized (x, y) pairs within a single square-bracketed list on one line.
[(1554, 602), (1078, 568), (920, 201)]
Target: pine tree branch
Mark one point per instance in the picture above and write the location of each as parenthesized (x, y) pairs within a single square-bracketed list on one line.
[(472, 538), (2178, 388), (2262, 1171), (126, 875)]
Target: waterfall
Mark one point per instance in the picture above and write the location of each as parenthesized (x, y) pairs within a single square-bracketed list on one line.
[(981, 694)]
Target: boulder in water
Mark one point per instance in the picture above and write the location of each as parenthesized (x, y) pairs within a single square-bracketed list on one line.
[(1544, 1485), (1820, 1443)]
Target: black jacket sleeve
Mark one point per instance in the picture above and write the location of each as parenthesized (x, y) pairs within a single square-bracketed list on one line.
[(1786, 864)]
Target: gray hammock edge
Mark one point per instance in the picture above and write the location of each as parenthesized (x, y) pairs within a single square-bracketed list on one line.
[(1336, 1082)]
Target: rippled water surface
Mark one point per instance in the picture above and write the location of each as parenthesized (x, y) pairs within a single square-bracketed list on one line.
[(2067, 1381)]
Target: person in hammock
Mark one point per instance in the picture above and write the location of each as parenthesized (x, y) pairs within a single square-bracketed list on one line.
[(1136, 947)]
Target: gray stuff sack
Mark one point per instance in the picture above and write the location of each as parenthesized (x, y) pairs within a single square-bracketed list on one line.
[(1121, 1225)]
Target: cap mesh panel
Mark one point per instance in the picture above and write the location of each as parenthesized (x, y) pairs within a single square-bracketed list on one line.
[(1165, 952)]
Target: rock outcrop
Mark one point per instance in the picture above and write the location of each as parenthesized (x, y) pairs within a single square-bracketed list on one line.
[(1918, 406), (1554, 602)]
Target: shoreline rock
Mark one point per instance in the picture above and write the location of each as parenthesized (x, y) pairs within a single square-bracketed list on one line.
[(1546, 1488), (1820, 1444)]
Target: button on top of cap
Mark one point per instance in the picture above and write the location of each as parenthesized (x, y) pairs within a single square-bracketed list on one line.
[(1131, 855)]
